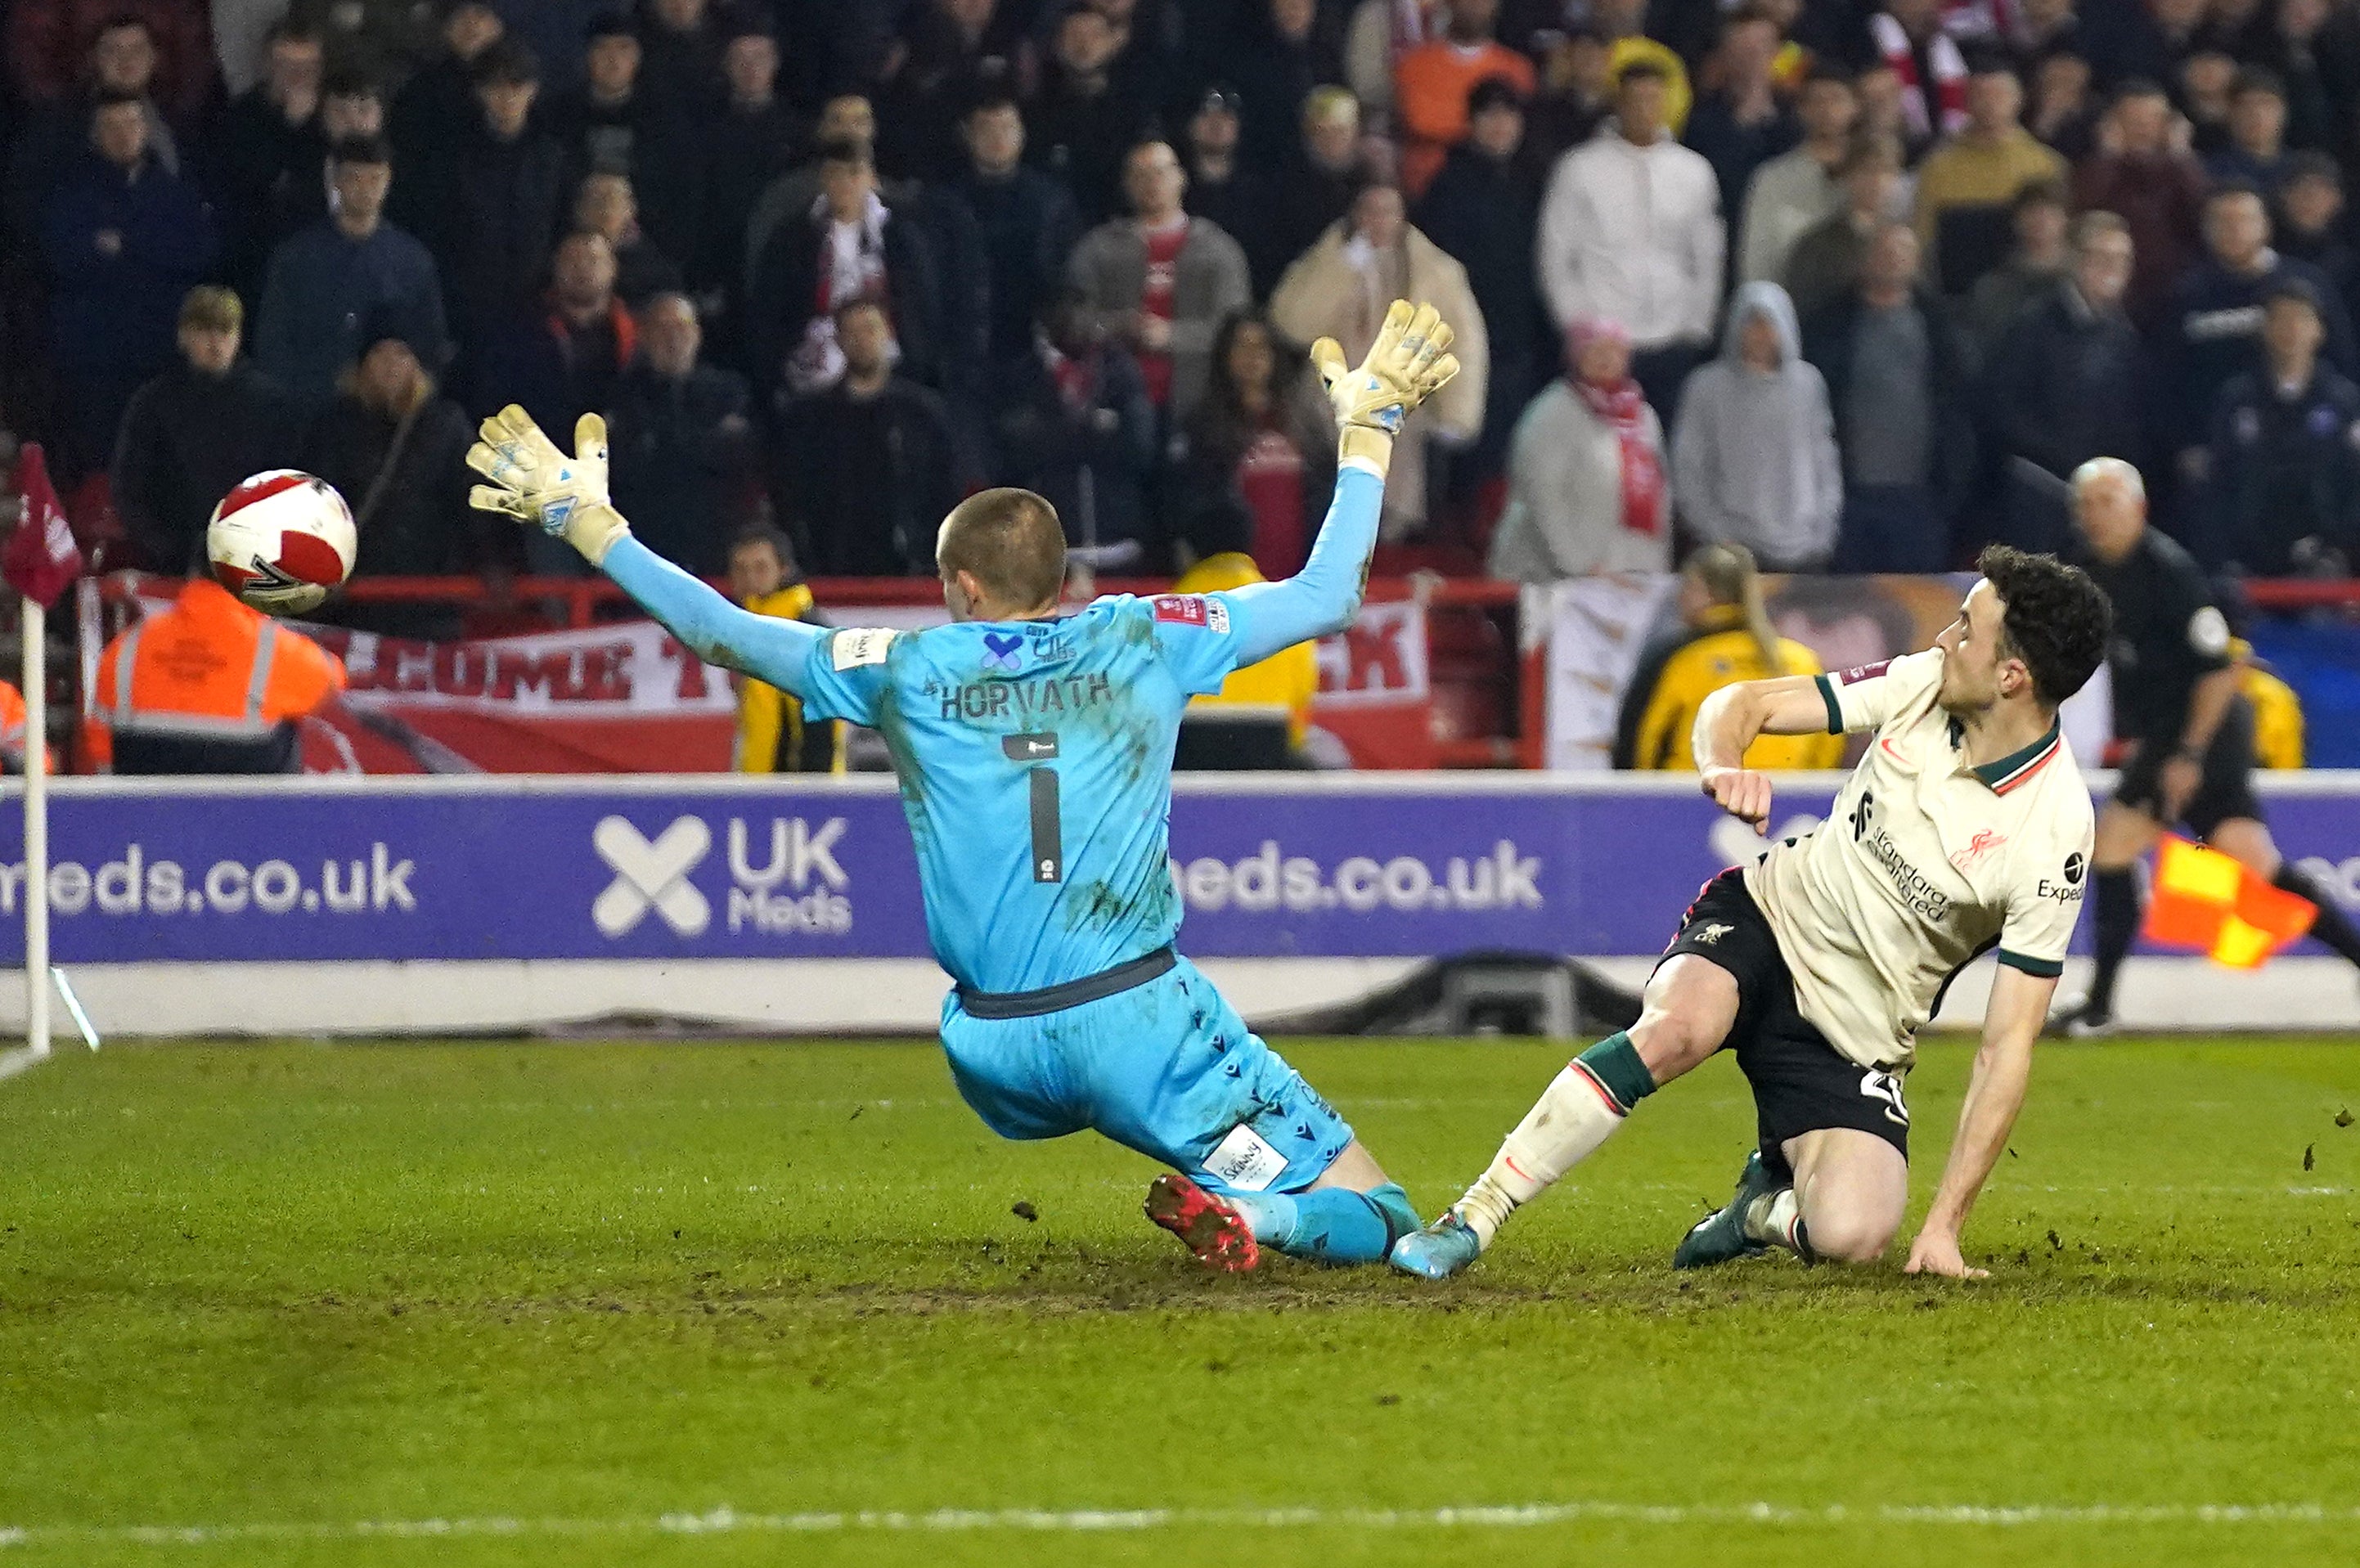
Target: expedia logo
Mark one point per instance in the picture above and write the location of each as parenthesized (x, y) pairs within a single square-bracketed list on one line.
[(2073, 869), (2069, 890)]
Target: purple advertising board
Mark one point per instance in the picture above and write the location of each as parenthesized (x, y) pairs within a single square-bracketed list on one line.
[(1316, 865)]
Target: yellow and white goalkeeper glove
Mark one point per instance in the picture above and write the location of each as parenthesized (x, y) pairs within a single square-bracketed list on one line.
[(1409, 363), (542, 487)]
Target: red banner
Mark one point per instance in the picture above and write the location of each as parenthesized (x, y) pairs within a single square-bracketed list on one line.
[(629, 697)]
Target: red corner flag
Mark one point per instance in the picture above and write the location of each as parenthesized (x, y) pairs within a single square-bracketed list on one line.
[(2203, 899), (41, 558)]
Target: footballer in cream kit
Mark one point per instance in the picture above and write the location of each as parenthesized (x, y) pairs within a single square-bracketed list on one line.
[(1964, 828), (1925, 862)]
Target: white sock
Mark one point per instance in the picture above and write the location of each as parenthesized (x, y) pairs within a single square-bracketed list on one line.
[(1574, 1115), (1777, 1219)]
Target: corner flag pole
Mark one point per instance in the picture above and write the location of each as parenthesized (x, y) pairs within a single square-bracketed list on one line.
[(39, 561), (37, 827)]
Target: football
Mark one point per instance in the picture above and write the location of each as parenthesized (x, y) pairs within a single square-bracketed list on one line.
[(282, 540)]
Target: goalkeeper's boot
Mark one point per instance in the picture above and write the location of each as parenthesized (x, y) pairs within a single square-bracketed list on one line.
[(1719, 1236), (1443, 1248), (1217, 1234)]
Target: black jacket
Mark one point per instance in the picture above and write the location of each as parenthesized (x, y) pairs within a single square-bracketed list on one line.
[(2067, 384), (1485, 213), (863, 482), (1046, 445), (681, 454), (1026, 225), (1828, 337), (2285, 482), (186, 439), (408, 496), (490, 213)]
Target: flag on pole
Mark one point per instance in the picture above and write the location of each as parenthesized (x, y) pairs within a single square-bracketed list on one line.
[(42, 557), (2205, 900)]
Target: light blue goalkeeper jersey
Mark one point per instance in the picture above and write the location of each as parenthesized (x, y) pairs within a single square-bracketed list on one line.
[(1035, 757)]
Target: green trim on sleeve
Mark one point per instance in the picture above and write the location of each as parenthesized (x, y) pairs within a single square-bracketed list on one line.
[(1835, 709), (2039, 968)]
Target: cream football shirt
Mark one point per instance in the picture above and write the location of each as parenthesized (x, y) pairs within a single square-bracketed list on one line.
[(1925, 862)]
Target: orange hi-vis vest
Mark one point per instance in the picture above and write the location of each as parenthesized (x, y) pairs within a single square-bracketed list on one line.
[(212, 670)]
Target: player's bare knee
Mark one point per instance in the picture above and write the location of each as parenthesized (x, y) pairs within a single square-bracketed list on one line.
[(1851, 1234), (1690, 1007)]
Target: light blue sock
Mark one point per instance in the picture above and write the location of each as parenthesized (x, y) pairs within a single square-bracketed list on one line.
[(1330, 1225)]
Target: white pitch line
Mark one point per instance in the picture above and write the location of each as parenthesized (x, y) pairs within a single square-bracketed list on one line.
[(728, 1521)]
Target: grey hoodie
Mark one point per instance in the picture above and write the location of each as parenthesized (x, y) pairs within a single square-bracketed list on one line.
[(1754, 453)]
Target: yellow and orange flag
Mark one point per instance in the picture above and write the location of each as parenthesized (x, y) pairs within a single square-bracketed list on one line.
[(2203, 899)]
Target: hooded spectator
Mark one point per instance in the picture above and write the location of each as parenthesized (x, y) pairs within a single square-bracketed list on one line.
[(1586, 490), (123, 238), (1753, 452), (1631, 231), (1341, 288), (681, 442), (1161, 282), (192, 433), (341, 272)]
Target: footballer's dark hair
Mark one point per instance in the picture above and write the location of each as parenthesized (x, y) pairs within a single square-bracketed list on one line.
[(1010, 542), (2056, 619)]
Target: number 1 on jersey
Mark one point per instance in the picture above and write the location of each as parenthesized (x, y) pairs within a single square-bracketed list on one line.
[(1048, 829)]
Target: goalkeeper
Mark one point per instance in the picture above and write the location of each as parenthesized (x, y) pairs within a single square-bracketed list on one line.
[(1035, 754)]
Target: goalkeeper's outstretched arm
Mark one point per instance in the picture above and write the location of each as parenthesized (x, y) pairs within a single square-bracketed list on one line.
[(765, 647), (541, 486), (1408, 363)]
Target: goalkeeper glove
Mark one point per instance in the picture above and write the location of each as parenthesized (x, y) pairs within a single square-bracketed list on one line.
[(538, 485), (1409, 363)]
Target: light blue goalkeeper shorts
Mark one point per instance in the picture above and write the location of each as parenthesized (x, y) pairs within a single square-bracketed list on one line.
[(1164, 1066)]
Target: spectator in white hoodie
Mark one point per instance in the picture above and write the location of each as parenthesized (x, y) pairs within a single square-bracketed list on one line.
[(1631, 231), (1754, 453)]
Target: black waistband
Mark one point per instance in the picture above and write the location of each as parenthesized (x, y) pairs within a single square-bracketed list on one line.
[(1106, 983)]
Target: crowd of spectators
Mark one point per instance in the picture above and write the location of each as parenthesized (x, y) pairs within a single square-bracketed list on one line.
[(1854, 288)]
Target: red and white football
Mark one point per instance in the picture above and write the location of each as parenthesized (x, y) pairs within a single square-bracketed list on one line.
[(282, 541)]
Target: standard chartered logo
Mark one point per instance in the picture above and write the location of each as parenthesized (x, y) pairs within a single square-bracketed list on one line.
[(1504, 879), (798, 887), (133, 883)]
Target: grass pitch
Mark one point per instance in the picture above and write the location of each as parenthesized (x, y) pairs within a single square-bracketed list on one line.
[(725, 1304)]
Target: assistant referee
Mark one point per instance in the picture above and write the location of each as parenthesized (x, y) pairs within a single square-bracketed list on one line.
[(2188, 736)]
